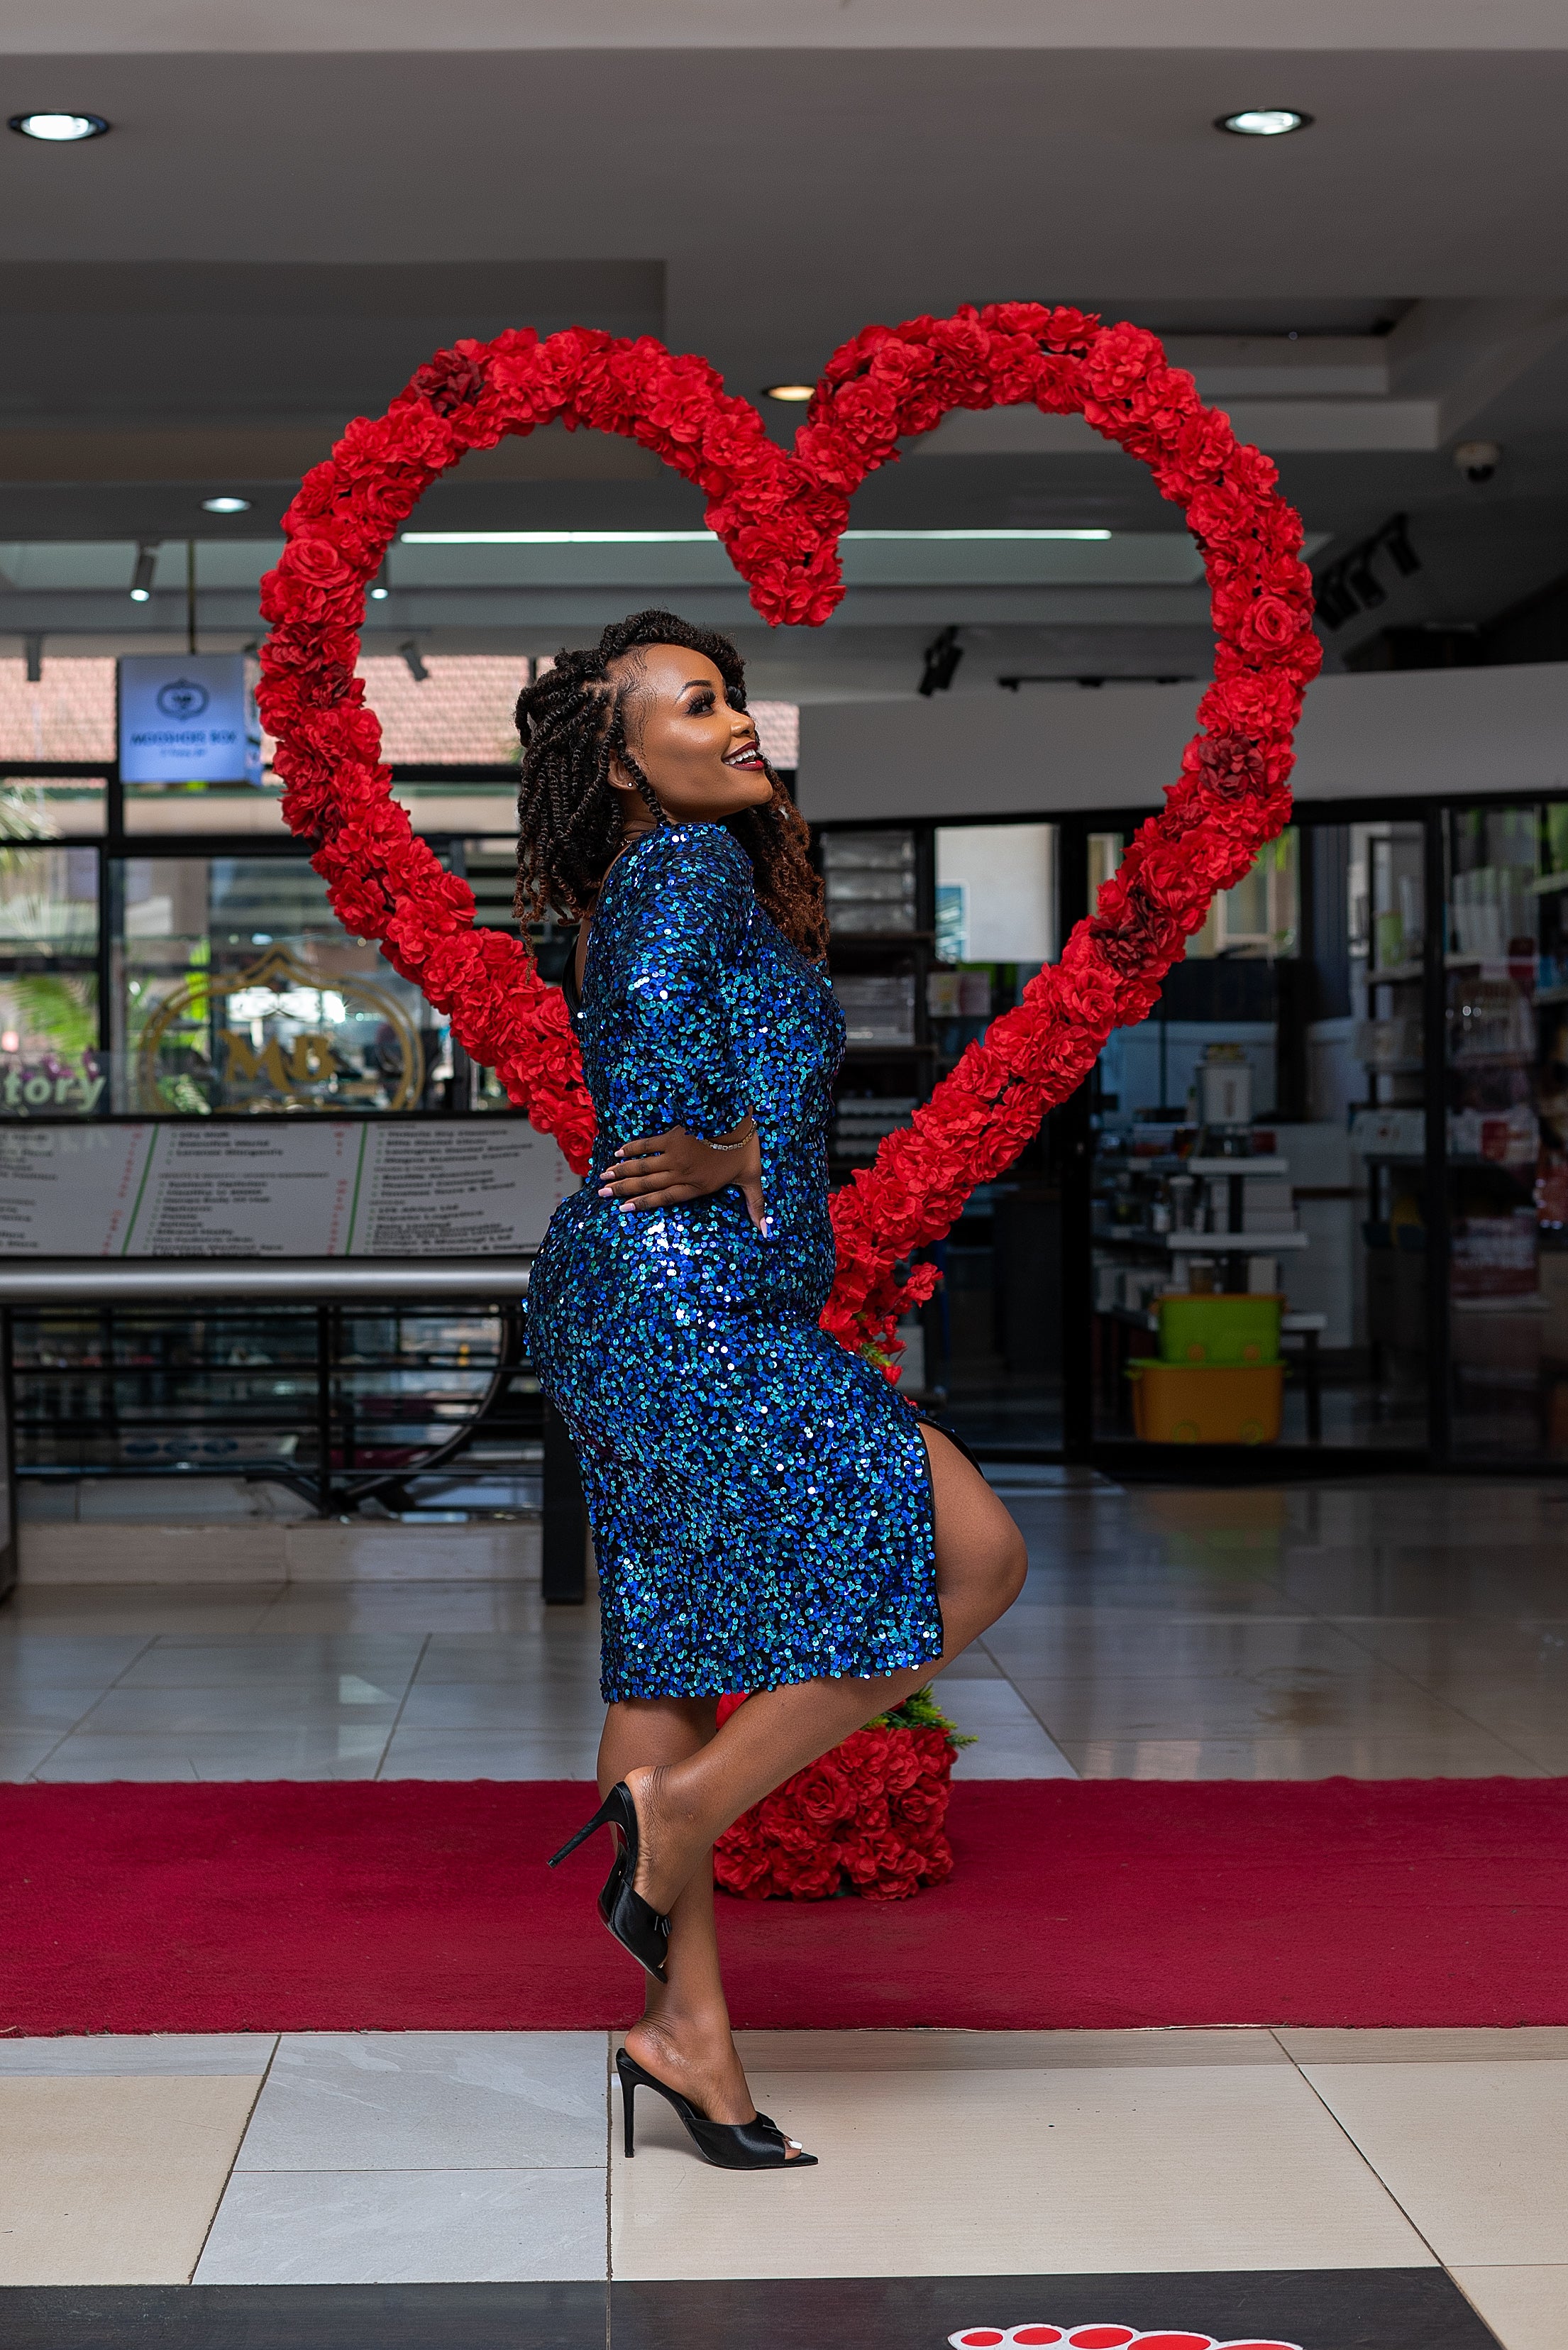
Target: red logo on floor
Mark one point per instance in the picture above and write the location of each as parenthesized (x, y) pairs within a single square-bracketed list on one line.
[(1096, 2337)]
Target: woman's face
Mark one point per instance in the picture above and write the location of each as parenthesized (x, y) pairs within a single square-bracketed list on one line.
[(701, 757)]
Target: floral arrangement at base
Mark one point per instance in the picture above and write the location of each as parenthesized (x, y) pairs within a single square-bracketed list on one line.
[(867, 1818)]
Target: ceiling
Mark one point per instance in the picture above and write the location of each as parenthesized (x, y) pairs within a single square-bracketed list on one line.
[(272, 238)]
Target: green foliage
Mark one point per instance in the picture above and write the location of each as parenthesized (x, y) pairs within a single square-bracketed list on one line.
[(57, 1009), (920, 1712)]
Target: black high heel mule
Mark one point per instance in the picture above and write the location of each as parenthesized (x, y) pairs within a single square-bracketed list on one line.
[(758, 2144), (637, 1925)]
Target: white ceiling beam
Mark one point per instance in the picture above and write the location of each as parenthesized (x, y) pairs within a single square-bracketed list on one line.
[(1463, 354), (1254, 367), (1281, 427), (174, 28)]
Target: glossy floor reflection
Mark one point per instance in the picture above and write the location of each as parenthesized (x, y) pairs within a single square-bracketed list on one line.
[(1390, 1629)]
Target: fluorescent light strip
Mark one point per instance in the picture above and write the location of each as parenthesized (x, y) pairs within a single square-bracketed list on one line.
[(703, 537)]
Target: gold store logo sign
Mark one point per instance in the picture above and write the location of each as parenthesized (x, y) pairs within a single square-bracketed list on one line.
[(290, 1071)]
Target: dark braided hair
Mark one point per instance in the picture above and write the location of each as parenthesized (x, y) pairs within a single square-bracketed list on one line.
[(573, 721)]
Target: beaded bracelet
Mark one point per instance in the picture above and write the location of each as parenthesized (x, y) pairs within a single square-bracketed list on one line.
[(739, 1145)]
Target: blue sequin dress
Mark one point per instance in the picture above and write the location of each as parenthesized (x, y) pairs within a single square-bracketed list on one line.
[(761, 1500)]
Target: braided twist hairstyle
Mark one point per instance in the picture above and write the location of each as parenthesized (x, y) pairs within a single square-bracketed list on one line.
[(573, 721)]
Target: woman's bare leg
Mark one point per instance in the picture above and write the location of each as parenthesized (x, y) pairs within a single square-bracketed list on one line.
[(683, 1804), (683, 2038)]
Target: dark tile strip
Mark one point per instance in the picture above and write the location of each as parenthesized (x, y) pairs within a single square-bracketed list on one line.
[(303, 2317), (1321, 2309)]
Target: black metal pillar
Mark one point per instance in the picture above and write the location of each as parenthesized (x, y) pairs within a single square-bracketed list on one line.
[(9, 1548), (1073, 1148), (1435, 1022), (324, 1493), (564, 1566)]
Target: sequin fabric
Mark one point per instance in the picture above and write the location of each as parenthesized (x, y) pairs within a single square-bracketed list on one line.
[(760, 1500)]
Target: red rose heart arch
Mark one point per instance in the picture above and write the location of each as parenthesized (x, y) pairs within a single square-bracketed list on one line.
[(779, 513)]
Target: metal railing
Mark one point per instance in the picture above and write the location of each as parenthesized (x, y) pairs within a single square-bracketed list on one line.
[(107, 1285)]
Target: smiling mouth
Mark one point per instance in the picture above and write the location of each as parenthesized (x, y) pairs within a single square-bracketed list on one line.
[(747, 756)]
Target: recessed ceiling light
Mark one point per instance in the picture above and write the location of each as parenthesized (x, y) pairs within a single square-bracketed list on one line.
[(788, 391), (1262, 121), (61, 129), (225, 505)]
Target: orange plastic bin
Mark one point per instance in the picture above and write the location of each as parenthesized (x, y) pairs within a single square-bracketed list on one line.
[(1206, 1403)]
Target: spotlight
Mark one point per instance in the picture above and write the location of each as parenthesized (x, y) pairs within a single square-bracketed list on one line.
[(797, 391), (379, 590), (1395, 537), (59, 130), (1262, 122), (413, 662), (941, 658), (33, 647), (146, 564), (225, 505)]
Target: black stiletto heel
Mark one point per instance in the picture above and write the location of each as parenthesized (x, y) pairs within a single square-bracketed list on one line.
[(637, 1925), (759, 2145)]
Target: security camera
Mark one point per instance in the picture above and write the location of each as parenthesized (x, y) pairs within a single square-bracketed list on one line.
[(1478, 461)]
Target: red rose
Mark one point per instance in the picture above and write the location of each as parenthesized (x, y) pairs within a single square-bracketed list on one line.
[(920, 1805), (315, 560), (813, 1882), (823, 1793)]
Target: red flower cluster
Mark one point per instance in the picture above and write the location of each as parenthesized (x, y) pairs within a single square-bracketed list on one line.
[(869, 1816), (780, 512)]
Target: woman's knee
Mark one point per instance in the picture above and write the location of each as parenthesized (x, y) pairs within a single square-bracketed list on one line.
[(668, 1727), (1012, 1565)]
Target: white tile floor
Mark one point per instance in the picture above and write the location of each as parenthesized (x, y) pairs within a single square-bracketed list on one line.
[(441, 2156), (1383, 1629), (518, 1704), (1403, 1627)]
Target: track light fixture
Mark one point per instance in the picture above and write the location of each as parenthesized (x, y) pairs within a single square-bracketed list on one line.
[(146, 564), (1402, 555), (414, 662), (941, 658), (1351, 586), (381, 587)]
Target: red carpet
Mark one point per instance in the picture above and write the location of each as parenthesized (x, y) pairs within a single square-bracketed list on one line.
[(421, 1904)]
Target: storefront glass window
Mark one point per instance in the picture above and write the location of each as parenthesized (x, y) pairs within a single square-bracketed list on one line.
[(994, 1330), (50, 1065), (1507, 1049), (238, 990), (1263, 1135)]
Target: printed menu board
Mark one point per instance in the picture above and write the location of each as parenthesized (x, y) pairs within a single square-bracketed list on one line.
[(421, 1187)]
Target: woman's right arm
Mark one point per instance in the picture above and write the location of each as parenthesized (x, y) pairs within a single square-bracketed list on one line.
[(678, 925)]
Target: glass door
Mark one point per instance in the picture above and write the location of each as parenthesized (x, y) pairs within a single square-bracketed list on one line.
[(1262, 1136), (1506, 971)]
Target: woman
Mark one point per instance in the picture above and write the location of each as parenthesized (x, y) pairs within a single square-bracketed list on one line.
[(767, 1513)]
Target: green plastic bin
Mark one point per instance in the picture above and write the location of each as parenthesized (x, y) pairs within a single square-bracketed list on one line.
[(1230, 1330)]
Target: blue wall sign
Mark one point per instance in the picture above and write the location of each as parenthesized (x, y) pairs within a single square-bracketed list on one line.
[(187, 718)]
